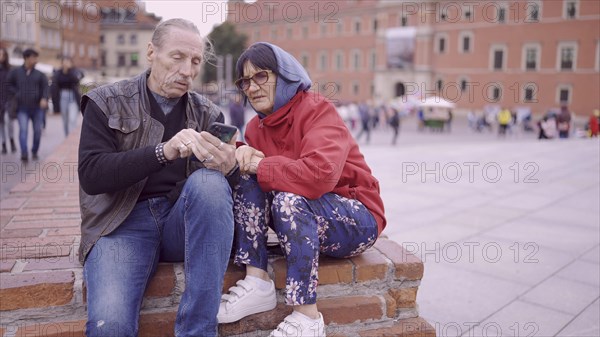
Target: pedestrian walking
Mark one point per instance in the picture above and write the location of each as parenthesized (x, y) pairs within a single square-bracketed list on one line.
[(8, 107), (30, 86), (66, 95)]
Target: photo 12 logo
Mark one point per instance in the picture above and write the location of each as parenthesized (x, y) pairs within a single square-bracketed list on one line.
[(471, 172)]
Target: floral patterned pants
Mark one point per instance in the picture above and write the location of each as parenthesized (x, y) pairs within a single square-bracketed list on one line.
[(331, 225)]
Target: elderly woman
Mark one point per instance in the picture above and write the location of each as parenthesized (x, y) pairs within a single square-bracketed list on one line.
[(306, 179)]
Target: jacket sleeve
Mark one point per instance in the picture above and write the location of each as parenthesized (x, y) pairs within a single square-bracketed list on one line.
[(102, 168), (44, 88), (324, 149)]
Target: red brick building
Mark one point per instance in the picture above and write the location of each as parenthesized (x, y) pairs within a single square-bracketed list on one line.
[(535, 53)]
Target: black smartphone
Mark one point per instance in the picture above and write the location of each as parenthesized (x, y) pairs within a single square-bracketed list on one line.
[(222, 131)]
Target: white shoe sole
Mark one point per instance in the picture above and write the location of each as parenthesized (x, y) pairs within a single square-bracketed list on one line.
[(230, 318)]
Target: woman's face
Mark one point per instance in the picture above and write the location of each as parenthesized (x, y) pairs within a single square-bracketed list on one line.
[(261, 96)]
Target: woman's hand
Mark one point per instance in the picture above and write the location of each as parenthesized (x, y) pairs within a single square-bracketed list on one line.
[(248, 158)]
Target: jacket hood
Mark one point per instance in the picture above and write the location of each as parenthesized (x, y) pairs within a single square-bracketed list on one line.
[(292, 77)]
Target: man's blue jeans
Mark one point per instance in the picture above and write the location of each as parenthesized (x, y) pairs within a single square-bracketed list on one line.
[(197, 229), (37, 117)]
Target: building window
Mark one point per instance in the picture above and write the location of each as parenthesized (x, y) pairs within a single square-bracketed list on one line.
[(375, 25), (495, 93), (467, 13), (464, 84), (121, 60), (339, 61), (465, 40), (570, 9), (356, 60), (441, 44), (304, 59), (357, 25), (120, 39), (563, 94), (373, 60), (304, 32), (567, 54), (103, 59), (355, 88), (340, 27), (531, 57), (530, 93), (133, 40), (501, 15), (533, 11), (323, 29), (134, 59), (101, 38), (498, 59), (439, 85), (323, 61), (403, 21), (289, 32)]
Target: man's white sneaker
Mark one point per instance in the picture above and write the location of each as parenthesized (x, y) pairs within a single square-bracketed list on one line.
[(245, 299), (298, 325)]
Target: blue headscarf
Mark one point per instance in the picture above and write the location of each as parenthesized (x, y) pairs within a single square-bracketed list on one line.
[(292, 76)]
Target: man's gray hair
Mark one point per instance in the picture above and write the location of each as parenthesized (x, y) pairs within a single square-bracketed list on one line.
[(162, 30)]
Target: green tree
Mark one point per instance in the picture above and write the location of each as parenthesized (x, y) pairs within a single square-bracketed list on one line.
[(225, 40)]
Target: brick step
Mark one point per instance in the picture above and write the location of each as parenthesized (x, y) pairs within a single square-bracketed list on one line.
[(364, 293), (162, 325)]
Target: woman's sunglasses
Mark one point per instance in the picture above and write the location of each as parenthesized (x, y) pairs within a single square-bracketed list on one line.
[(259, 78)]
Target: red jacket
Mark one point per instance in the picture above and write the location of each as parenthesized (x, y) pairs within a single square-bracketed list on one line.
[(309, 151)]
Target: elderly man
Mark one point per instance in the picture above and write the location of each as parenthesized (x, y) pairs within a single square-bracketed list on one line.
[(155, 187)]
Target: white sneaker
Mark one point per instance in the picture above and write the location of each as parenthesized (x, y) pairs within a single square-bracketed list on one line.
[(298, 325), (245, 299)]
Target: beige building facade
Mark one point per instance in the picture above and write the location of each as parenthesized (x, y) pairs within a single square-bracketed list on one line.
[(537, 53)]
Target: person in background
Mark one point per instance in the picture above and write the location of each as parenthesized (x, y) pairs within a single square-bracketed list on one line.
[(7, 105), (594, 123), (236, 114), (66, 84), (504, 120), (155, 187), (306, 178), (563, 122)]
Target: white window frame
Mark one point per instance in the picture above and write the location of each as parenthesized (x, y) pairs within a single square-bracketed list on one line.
[(373, 59), (528, 7), (467, 9), (355, 85), (536, 91), (437, 39), (495, 47), (471, 37), (561, 87), (538, 56), (559, 48), (577, 9), (339, 27), (323, 29)]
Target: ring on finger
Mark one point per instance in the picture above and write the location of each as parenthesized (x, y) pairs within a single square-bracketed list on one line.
[(209, 158), (219, 146), (187, 143)]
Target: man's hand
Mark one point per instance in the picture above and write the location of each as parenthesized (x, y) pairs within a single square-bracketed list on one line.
[(248, 158), (180, 145), (43, 103), (215, 154)]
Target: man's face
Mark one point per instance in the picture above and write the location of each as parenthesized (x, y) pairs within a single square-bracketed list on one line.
[(30, 61), (176, 63)]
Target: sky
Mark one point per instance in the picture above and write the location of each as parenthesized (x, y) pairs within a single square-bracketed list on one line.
[(204, 13)]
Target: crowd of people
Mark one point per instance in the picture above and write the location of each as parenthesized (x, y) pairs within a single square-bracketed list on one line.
[(25, 95)]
